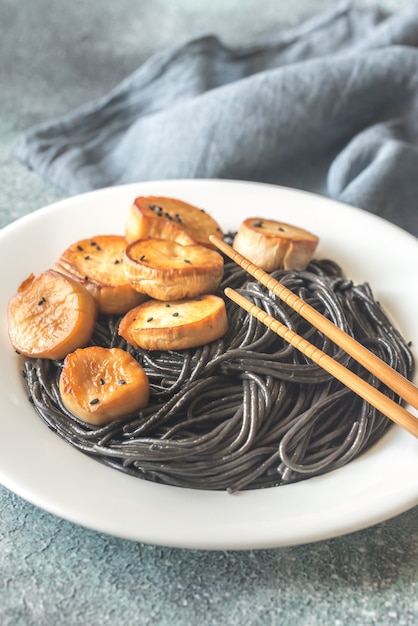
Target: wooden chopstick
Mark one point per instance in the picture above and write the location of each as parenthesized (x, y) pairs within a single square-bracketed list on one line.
[(404, 388), (373, 396)]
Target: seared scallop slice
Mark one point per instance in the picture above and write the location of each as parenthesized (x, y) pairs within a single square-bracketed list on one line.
[(50, 316), (168, 218), (175, 325), (275, 245), (166, 270), (99, 385), (97, 262)]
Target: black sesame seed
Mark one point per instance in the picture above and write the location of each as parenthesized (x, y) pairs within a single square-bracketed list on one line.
[(176, 314), (281, 229), (41, 301), (142, 258), (98, 247), (87, 257), (187, 260), (94, 401), (258, 224), (80, 248), (121, 382), (93, 243), (150, 319), (102, 382), (167, 215), (116, 262), (86, 277)]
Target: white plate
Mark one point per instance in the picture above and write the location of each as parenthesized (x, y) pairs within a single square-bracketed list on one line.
[(43, 469)]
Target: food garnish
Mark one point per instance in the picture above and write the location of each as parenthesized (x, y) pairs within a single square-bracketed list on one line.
[(175, 325), (169, 218), (99, 385), (97, 262), (166, 270), (274, 245), (50, 316)]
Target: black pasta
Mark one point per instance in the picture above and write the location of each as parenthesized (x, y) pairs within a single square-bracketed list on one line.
[(247, 411)]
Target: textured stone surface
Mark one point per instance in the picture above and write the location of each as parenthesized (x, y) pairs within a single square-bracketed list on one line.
[(54, 572), (55, 56)]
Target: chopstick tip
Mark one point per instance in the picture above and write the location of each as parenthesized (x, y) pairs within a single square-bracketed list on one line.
[(214, 239)]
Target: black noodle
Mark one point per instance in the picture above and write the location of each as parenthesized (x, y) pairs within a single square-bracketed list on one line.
[(247, 411)]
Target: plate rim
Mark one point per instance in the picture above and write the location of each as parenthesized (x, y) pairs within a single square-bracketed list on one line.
[(403, 502)]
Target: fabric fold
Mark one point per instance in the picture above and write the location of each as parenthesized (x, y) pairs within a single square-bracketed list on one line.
[(330, 107)]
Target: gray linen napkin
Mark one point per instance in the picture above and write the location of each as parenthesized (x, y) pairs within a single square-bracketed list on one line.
[(330, 107)]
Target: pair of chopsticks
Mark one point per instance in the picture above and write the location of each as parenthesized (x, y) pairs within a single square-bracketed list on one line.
[(404, 388)]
